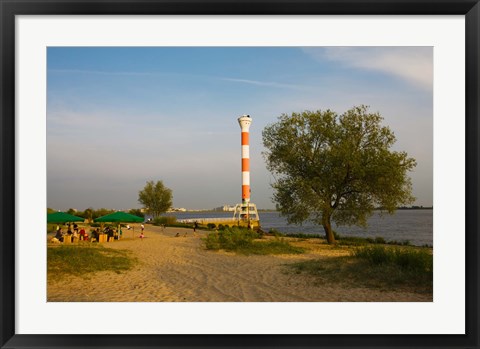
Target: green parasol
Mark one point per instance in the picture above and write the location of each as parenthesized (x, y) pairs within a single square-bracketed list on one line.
[(120, 217), (62, 217)]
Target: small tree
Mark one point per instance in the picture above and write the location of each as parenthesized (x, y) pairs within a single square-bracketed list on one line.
[(88, 214), (101, 212), (335, 168), (155, 198), (136, 212)]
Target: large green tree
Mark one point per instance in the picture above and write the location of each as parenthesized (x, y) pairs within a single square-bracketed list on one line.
[(335, 168), (155, 198)]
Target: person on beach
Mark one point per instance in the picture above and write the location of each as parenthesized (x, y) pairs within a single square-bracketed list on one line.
[(142, 227), (141, 236), (75, 228), (59, 235), (195, 226), (82, 234), (110, 235), (95, 234)]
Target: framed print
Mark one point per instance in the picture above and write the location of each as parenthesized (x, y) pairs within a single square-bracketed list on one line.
[(342, 214)]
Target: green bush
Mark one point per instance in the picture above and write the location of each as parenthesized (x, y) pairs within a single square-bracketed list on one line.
[(274, 232), (165, 220), (406, 259), (305, 236), (246, 241), (230, 238), (354, 241), (211, 225), (336, 235)]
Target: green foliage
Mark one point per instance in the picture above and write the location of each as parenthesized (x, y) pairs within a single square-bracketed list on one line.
[(335, 168), (88, 214), (305, 236), (335, 235), (407, 259), (211, 225), (165, 220), (155, 198), (72, 211), (275, 232), (375, 267), (101, 212), (245, 241), (137, 212), (82, 260)]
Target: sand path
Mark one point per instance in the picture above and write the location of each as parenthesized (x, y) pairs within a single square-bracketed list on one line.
[(179, 269)]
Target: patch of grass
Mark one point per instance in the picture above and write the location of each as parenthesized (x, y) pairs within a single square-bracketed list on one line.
[(376, 267), (305, 236), (417, 260), (247, 242), (83, 260), (359, 241), (170, 221)]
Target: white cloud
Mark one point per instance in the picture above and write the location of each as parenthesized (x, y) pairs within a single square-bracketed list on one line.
[(412, 64), (264, 83)]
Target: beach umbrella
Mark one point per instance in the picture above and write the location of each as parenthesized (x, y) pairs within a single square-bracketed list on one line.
[(119, 217), (62, 217)]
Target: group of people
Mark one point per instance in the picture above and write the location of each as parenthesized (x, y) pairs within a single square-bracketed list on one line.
[(111, 233), (73, 234)]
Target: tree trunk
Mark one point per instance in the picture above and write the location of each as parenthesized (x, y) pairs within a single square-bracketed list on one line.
[(327, 226)]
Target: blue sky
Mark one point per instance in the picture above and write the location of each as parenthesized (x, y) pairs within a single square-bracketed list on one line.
[(118, 117)]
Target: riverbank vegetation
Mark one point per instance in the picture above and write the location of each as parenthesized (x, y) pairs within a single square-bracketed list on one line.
[(83, 260), (382, 267), (248, 242), (347, 240)]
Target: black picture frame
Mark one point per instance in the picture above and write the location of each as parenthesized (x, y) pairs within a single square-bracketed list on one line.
[(11, 8)]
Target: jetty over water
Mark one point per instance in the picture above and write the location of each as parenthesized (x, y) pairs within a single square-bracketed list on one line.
[(244, 215), (231, 222)]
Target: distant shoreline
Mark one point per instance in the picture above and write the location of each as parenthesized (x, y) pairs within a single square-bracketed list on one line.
[(273, 210)]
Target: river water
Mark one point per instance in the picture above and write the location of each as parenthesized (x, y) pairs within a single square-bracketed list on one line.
[(416, 226)]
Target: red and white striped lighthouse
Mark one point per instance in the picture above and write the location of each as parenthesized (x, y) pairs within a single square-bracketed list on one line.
[(245, 122)]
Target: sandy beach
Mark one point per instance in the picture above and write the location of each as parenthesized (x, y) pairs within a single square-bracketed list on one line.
[(180, 269)]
